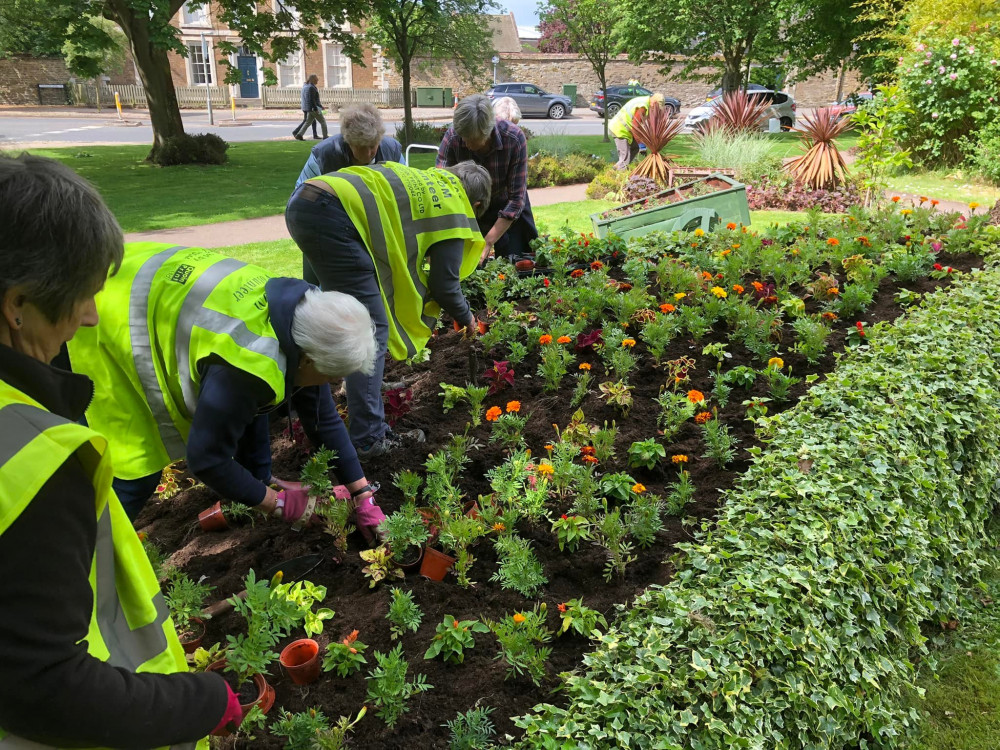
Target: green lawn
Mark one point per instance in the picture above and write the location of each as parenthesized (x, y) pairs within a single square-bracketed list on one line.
[(948, 185)]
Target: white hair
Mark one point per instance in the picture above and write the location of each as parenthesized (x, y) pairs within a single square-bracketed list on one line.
[(506, 108), (474, 119), (477, 183), (361, 125), (336, 332)]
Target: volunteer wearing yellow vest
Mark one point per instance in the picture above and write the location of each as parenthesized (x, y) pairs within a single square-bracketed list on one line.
[(620, 128), (371, 232), (88, 655), (194, 351)]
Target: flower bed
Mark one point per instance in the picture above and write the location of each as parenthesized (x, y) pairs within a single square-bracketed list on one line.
[(793, 621), (723, 332)]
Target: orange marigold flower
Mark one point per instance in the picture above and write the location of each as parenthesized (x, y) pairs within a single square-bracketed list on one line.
[(833, 242), (829, 316), (707, 275), (934, 201), (628, 343), (549, 447), (731, 225), (545, 339), (679, 458), (833, 291), (351, 638), (513, 406), (561, 607), (576, 273), (596, 265), (518, 618), (493, 413), (696, 397), (502, 277), (563, 340), (738, 289), (546, 469), (498, 526), (142, 536), (590, 459), (895, 199), (584, 366), (702, 417), (864, 241), (638, 488), (666, 307), (923, 198), (587, 450), (757, 286), (724, 253)]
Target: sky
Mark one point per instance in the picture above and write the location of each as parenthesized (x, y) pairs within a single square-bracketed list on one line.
[(525, 11)]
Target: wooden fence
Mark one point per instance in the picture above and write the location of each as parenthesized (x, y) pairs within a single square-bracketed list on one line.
[(193, 97)]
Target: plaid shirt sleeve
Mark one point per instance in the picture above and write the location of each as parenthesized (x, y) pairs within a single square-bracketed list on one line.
[(517, 173), (446, 157)]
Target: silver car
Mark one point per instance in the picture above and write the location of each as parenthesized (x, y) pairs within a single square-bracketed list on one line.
[(533, 101), (782, 108)]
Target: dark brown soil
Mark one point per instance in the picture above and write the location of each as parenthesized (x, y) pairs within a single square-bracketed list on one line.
[(224, 558)]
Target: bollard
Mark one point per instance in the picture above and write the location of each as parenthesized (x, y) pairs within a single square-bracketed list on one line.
[(232, 103), (118, 104)]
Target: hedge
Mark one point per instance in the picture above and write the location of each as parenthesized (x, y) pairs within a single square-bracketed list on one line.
[(793, 620)]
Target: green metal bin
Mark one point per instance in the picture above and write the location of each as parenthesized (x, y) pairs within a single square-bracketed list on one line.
[(430, 97), (569, 89), (449, 96)]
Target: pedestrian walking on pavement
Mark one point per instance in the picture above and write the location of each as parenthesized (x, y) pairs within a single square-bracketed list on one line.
[(312, 110)]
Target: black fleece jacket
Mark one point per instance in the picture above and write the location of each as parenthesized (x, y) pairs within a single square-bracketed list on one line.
[(51, 690)]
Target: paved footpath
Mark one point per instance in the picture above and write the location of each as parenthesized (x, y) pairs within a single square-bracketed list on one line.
[(270, 228)]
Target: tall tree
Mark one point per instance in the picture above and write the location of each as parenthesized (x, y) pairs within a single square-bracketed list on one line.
[(426, 33), (553, 33), (272, 28), (588, 27)]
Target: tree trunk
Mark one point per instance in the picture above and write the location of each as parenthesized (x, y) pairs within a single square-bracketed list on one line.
[(732, 73), (603, 78), (154, 72), (407, 104)]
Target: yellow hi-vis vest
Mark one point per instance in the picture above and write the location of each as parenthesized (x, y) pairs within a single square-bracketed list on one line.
[(621, 124), (130, 626), (166, 310), (399, 213)]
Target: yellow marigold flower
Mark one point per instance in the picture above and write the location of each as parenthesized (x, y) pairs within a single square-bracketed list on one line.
[(696, 397), (906, 211), (680, 295), (973, 206), (518, 618), (493, 413), (584, 366), (513, 406), (546, 469), (776, 362), (545, 339), (699, 232), (719, 292), (563, 340), (679, 458), (628, 342), (833, 242), (638, 488)]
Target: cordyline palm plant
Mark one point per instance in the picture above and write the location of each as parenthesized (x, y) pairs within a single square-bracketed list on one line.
[(737, 113), (656, 129), (822, 165)]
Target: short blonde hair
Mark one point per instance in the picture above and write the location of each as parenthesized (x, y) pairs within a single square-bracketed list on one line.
[(506, 108), (361, 125)]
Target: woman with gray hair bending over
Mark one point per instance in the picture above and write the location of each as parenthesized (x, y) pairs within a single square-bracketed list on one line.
[(371, 232), (193, 352), (498, 145)]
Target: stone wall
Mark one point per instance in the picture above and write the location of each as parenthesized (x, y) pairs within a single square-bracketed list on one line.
[(551, 71), (20, 76)]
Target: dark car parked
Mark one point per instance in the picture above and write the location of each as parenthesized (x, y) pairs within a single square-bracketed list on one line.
[(617, 96)]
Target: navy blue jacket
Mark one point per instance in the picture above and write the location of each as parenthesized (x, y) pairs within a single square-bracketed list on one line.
[(230, 400), (310, 98), (333, 153)]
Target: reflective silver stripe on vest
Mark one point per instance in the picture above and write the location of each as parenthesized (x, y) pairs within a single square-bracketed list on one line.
[(379, 253), (142, 351), (10, 742), (128, 648), (13, 435), (194, 313)]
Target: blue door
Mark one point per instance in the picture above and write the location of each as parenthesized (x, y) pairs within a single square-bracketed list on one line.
[(248, 76)]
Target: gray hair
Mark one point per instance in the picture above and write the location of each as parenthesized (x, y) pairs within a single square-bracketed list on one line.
[(474, 118), (477, 183), (361, 125), (336, 331), (59, 240), (506, 108)]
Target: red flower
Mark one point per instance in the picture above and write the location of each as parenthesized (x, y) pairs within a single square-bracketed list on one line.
[(564, 516), (546, 282), (561, 607), (938, 267)]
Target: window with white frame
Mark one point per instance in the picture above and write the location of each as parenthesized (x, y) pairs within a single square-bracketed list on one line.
[(338, 66), (197, 16), (290, 70), (199, 68)]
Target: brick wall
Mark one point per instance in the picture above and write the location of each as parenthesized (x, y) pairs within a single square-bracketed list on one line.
[(20, 76)]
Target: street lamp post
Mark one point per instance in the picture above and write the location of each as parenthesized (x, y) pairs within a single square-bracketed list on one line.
[(496, 60)]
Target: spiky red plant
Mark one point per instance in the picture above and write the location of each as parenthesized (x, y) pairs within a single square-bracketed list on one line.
[(822, 165), (739, 113), (656, 129)]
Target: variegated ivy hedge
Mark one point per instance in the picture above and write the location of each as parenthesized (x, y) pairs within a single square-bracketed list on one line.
[(793, 620)]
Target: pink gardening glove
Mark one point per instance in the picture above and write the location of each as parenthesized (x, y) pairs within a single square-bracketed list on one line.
[(233, 716), (367, 517), (295, 507)]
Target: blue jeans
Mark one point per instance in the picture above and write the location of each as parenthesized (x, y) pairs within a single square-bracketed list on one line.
[(253, 453), (337, 255)]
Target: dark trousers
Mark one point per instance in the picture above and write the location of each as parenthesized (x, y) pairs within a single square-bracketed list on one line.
[(335, 254), (515, 242), (300, 129), (253, 453)]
